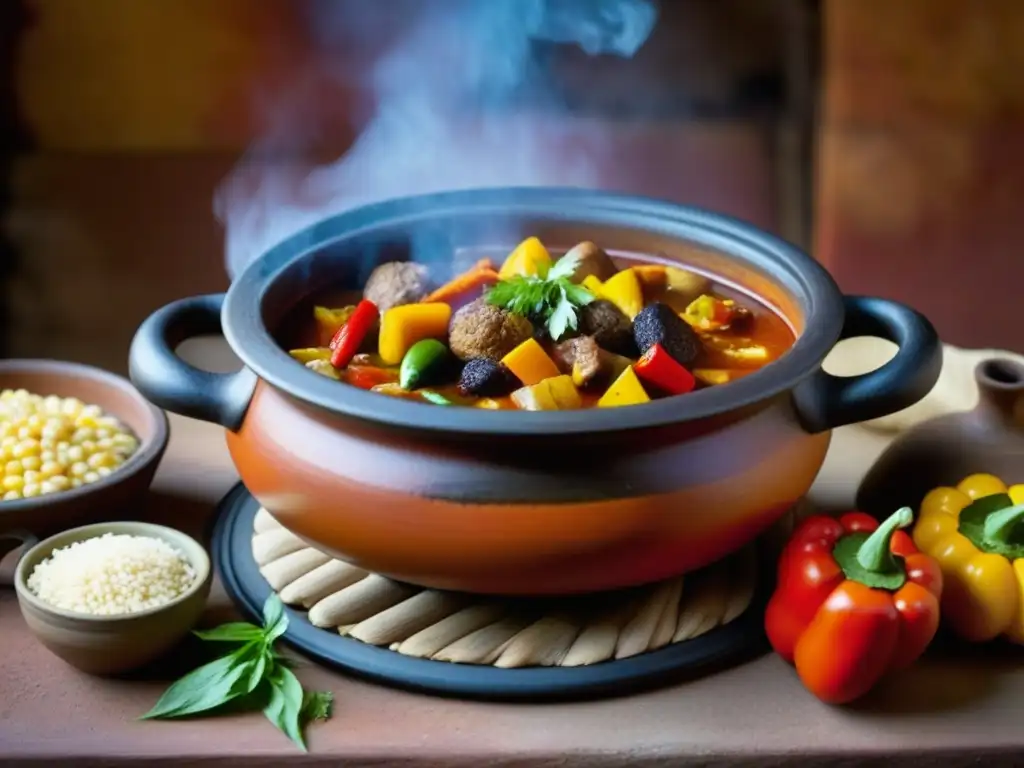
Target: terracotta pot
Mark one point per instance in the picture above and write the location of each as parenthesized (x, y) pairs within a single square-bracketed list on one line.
[(946, 449), (516, 502)]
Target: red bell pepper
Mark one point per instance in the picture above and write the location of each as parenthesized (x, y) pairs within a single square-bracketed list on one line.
[(369, 376), (854, 601), (659, 368), (350, 336)]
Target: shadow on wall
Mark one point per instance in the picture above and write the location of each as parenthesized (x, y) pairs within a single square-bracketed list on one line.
[(13, 138)]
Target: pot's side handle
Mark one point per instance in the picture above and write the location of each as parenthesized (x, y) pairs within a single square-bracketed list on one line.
[(824, 401), (169, 382)]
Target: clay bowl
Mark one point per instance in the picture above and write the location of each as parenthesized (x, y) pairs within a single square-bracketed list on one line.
[(530, 503), (106, 498), (110, 645)]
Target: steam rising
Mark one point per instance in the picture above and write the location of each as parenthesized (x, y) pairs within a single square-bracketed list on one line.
[(445, 116)]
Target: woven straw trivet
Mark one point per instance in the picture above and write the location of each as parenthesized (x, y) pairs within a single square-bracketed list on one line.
[(503, 632)]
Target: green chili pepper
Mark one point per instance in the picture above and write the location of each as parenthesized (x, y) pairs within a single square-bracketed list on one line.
[(424, 358)]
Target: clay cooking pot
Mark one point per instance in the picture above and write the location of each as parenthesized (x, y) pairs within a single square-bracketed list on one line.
[(530, 502)]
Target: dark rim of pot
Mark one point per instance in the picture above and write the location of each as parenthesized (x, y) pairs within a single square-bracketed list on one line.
[(809, 284)]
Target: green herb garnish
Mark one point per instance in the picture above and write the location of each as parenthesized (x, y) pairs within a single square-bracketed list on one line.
[(550, 300), (252, 676)]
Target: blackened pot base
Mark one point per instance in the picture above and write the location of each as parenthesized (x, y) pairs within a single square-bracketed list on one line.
[(481, 647)]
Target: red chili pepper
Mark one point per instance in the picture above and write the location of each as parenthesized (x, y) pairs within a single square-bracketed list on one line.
[(350, 336), (658, 367), (854, 601), (369, 376)]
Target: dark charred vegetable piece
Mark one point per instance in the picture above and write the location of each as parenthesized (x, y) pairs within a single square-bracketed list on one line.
[(658, 368), (610, 328), (581, 358), (426, 362), (349, 337), (481, 329), (658, 324), (369, 376), (396, 283), (484, 377), (590, 261)]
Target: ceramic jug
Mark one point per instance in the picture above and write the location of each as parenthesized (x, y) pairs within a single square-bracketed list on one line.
[(945, 449)]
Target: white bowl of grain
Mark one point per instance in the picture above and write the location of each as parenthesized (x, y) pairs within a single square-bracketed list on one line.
[(112, 597)]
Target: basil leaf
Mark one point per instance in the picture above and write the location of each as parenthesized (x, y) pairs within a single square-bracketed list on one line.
[(273, 612), (285, 705), (207, 687), (258, 669), (235, 631)]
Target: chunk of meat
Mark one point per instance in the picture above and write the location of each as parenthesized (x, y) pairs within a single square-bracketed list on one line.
[(610, 328), (395, 283), (581, 357), (657, 323), (480, 329), (593, 261)]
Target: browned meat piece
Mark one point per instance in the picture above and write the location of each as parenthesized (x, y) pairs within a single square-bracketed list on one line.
[(610, 328), (593, 261), (395, 283), (580, 357), (480, 329)]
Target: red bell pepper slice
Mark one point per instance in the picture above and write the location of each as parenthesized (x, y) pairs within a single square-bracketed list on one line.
[(369, 376), (854, 601), (659, 368), (350, 336)]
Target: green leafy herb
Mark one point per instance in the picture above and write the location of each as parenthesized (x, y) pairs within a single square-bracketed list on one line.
[(868, 558), (994, 524), (252, 676), (551, 300)]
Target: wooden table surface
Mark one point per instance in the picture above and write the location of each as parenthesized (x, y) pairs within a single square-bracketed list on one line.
[(948, 710)]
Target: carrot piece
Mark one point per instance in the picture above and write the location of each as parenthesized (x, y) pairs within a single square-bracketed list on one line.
[(480, 274)]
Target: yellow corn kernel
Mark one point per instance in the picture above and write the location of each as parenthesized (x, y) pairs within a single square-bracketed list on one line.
[(31, 462), (78, 469), (30, 490), (13, 468), (13, 483)]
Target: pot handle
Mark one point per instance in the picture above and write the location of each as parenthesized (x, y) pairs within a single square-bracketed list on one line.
[(824, 401), (10, 541), (169, 382)]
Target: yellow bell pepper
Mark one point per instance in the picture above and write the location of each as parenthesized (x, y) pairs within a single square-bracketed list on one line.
[(529, 258), (309, 354), (592, 284), (976, 533), (625, 390), (530, 363), (623, 289), (404, 325), (555, 394)]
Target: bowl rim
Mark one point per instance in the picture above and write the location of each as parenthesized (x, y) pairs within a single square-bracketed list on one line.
[(149, 450), (810, 284), (172, 536)]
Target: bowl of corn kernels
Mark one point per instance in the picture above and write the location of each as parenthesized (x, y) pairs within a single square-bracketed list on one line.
[(77, 445)]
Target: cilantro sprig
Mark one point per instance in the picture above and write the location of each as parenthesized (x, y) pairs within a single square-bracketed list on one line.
[(551, 300), (252, 676)]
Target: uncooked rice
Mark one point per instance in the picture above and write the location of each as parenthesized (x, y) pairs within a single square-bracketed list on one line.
[(112, 574)]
